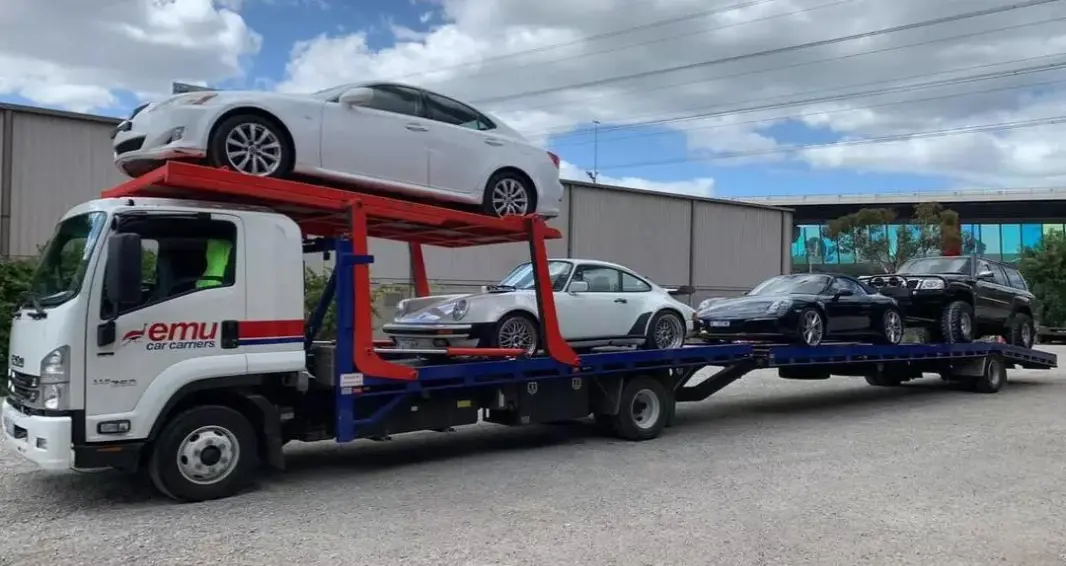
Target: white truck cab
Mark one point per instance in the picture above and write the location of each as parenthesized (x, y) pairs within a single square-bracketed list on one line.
[(140, 311)]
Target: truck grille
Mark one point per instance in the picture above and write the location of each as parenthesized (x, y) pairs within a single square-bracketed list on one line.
[(24, 386)]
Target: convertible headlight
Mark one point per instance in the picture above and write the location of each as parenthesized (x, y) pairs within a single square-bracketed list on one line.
[(707, 302), (779, 307), (55, 375), (460, 308), (401, 307), (931, 284)]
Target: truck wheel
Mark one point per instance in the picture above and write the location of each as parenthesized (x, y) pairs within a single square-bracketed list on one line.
[(994, 378), (1021, 331), (643, 410), (204, 453), (956, 323)]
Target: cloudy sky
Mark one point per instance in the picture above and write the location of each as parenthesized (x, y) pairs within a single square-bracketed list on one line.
[(722, 97)]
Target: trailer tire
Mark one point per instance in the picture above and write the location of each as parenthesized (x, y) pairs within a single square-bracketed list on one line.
[(224, 442), (994, 377), (643, 409)]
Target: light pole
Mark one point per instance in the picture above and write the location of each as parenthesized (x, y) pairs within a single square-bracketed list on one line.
[(595, 173)]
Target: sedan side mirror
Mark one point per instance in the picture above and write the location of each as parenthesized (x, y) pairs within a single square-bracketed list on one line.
[(579, 287), (986, 275), (356, 96)]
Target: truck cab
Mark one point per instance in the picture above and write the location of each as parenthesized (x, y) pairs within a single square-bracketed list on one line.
[(139, 308)]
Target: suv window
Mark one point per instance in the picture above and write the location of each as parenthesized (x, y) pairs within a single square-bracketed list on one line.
[(600, 279), (1015, 278), (396, 99), (999, 277), (456, 113), (182, 256)]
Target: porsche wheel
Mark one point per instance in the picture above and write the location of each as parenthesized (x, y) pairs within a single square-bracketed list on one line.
[(515, 330), (811, 328), (665, 331), (891, 331)]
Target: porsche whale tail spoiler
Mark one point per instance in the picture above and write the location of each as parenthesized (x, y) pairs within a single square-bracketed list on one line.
[(680, 291)]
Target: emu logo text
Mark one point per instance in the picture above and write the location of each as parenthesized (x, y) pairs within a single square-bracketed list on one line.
[(174, 335)]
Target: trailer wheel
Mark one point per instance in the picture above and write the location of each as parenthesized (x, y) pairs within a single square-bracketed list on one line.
[(643, 409), (204, 453), (994, 377), (956, 323)]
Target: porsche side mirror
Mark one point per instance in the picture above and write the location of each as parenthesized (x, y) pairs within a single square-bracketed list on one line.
[(578, 287)]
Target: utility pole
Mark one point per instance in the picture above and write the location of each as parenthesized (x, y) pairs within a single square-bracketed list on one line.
[(595, 173)]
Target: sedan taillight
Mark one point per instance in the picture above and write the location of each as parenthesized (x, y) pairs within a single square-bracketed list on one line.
[(554, 158)]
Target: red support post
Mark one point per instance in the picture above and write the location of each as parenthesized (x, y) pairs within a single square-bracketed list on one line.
[(366, 359), (558, 348), (418, 269)]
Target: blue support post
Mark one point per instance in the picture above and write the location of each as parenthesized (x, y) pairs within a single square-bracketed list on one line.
[(344, 297)]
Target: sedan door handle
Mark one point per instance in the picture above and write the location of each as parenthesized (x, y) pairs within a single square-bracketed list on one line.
[(621, 301), (416, 128), (493, 142)]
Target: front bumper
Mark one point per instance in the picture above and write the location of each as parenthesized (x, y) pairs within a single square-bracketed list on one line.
[(918, 305), (747, 328), (406, 336), (45, 441), (149, 139)]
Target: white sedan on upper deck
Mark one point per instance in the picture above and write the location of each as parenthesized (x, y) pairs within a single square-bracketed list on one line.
[(598, 304), (393, 137)]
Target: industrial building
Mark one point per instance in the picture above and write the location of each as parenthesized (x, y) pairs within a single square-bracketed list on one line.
[(50, 161)]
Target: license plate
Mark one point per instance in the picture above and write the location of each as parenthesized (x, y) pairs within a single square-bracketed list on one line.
[(719, 323), (9, 426), (406, 343)]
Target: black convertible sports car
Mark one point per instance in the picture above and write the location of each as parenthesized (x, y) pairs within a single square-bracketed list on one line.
[(805, 308)]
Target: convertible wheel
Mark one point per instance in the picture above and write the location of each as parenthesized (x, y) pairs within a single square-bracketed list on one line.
[(891, 327), (665, 331), (251, 144), (509, 194), (516, 331), (811, 327)]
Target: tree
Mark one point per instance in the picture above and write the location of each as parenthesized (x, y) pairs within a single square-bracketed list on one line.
[(1044, 269), (931, 230)]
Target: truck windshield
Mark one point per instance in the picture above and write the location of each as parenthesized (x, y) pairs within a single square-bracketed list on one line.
[(934, 265), (59, 274)]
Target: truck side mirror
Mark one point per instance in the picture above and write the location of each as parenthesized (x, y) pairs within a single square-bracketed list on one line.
[(123, 270)]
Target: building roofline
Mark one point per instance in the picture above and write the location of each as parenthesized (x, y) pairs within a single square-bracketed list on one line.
[(911, 197), (37, 111), (634, 190)]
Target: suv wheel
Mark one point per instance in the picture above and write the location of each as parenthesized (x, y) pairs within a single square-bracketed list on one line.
[(956, 323), (1020, 331)]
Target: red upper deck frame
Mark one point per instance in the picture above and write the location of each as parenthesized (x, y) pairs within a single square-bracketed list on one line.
[(329, 212)]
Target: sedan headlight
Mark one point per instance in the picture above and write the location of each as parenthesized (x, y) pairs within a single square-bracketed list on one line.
[(931, 284), (55, 376), (460, 309), (779, 307)]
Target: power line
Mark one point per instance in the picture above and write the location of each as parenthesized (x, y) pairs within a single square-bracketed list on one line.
[(775, 51), (845, 96), (639, 123), (1001, 126), (587, 39)]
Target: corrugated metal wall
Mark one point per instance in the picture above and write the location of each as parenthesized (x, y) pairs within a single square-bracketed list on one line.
[(720, 247)]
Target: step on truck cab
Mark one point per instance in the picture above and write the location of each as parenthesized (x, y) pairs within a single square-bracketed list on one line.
[(139, 309)]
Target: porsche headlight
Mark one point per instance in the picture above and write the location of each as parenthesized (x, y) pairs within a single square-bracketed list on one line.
[(705, 303), (931, 284), (779, 307), (460, 309), (401, 307)]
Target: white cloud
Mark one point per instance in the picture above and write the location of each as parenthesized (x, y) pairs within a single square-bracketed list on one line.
[(91, 50), (466, 57), (699, 187)]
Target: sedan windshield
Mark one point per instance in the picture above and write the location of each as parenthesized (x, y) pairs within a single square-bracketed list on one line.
[(65, 259), (522, 276), (801, 284), (934, 265)]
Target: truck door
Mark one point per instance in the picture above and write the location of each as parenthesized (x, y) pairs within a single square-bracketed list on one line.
[(193, 273)]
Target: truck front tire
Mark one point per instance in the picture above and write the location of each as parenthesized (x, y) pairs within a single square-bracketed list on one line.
[(204, 453)]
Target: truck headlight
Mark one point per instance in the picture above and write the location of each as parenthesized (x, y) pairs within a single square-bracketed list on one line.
[(55, 375), (931, 284), (460, 309)]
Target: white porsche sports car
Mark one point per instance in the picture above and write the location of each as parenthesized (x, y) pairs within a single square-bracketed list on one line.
[(598, 304), (393, 137)]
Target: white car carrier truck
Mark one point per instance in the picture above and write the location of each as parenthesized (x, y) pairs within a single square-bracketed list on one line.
[(164, 334)]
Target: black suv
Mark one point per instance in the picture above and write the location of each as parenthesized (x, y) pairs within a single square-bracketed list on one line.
[(961, 298)]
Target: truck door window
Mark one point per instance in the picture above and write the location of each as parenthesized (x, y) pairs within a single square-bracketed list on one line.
[(182, 256)]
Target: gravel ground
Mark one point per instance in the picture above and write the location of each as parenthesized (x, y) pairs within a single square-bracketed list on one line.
[(767, 472)]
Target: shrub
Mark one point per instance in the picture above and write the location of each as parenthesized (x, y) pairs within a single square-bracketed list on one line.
[(14, 280)]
